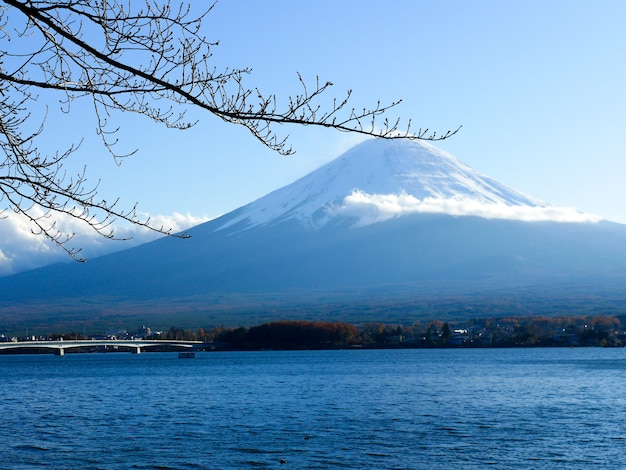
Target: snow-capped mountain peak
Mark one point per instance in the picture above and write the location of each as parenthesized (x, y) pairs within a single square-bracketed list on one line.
[(379, 179)]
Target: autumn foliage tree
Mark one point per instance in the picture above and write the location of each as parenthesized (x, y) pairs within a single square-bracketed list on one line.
[(292, 334), (147, 57)]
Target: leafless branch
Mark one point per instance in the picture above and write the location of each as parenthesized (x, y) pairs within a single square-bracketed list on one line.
[(141, 56)]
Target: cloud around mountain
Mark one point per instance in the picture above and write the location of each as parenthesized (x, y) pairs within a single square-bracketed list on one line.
[(21, 250), (372, 208)]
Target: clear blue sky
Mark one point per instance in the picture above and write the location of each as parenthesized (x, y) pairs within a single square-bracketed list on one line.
[(537, 86)]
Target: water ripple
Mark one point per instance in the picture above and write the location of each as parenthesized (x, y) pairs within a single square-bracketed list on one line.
[(311, 410)]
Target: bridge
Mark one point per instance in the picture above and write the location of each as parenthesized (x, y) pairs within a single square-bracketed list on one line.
[(134, 345)]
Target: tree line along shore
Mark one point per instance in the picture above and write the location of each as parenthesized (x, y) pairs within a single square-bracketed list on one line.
[(565, 331)]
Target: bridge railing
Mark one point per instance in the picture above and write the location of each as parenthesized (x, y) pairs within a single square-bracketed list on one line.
[(135, 346)]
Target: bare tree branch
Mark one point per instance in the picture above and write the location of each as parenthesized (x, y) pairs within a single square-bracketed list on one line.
[(147, 57)]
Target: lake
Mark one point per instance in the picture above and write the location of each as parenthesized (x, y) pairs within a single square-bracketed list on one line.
[(378, 409)]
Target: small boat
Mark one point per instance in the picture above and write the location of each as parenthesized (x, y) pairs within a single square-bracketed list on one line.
[(186, 355)]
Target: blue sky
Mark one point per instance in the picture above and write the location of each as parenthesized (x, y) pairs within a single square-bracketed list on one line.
[(537, 86)]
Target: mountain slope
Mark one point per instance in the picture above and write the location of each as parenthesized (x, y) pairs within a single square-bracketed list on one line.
[(372, 221)]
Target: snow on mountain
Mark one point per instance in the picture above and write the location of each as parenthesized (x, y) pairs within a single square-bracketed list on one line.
[(381, 179)]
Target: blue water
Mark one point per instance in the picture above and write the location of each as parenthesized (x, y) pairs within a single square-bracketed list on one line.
[(390, 409)]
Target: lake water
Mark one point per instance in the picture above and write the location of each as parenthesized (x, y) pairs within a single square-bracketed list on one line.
[(384, 409)]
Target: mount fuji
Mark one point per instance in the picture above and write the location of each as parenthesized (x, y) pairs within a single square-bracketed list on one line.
[(390, 229), (378, 180)]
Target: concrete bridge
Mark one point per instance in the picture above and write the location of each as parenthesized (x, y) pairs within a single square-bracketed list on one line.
[(135, 346)]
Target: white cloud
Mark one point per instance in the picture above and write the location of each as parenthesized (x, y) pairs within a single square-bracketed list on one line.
[(372, 208), (20, 249)]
